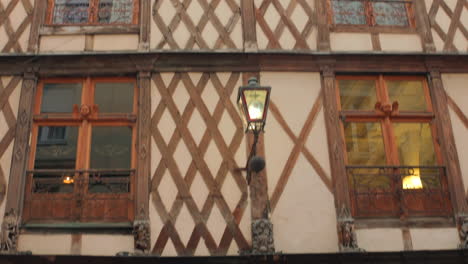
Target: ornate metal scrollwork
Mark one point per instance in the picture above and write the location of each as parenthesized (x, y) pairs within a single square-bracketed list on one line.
[(262, 237), (348, 240)]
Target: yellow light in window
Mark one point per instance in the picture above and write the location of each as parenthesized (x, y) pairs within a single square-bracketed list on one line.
[(412, 181), (68, 180)]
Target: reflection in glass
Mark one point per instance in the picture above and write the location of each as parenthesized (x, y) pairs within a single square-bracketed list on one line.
[(349, 12), (110, 150), (55, 154), (357, 94), (409, 95), (114, 97), (71, 11), (390, 14), (415, 147), (60, 97), (115, 11), (365, 147)]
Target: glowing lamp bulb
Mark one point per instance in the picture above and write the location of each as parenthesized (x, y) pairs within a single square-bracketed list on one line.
[(255, 110), (412, 182), (68, 180)]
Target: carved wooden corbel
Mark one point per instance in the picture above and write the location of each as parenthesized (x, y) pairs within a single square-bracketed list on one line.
[(347, 234)]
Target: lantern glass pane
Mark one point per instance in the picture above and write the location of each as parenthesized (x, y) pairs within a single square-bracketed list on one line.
[(255, 100)]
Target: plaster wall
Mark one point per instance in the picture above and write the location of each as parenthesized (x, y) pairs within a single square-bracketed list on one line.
[(350, 42), (105, 245), (380, 239), (400, 42), (15, 25), (45, 244), (304, 217), (75, 43), (455, 86), (115, 42), (434, 238)]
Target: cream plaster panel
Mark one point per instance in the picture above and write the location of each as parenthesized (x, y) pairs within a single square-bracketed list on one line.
[(380, 239), (262, 40), (312, 39), (400, 42), (14, 98), (5, 162), (451, 4), (3, 125), (106, 245), (428, 5), (17, 16), (156, 224), (317, 143), (434, 238), (455, 85), (62, 43), (46, 244), (3, 38), (350, 41), (464, 18), (116, 42), (443, 20), (460, 42), (304, 220)]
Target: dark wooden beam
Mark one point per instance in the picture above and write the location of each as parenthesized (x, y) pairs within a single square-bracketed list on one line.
[(248, 25)]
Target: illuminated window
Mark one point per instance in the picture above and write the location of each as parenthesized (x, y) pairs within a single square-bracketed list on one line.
[(93, 12), (393, 160), (82, 151)]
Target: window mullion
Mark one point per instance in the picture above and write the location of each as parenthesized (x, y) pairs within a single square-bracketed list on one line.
[(93, 12), (369, 13)]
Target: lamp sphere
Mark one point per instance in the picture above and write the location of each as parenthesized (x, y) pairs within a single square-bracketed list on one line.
[(257, 164)]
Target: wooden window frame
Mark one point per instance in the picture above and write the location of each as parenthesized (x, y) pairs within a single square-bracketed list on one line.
[(386, 121), (82, 161), (93, 11), (371, 25)]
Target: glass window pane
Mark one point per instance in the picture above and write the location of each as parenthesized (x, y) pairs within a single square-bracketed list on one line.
[(110, 150), (71, 11), (414, 143), (364, 144), (390, 14), (409, 95), (115, 11), (60, 97), (349, 12), (55, 150), (357, 94), (114, 97)]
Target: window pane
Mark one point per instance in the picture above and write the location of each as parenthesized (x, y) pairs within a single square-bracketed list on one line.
[(110, 150), (357, 94), (71, 11), (349, 12), (114, 97), (364, 144), (409, 95), (55, 150), (415, 145), (60, 97), (115, 11), (392, 14)]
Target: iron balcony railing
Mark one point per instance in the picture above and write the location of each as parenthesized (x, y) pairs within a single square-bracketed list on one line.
[(399, 191)]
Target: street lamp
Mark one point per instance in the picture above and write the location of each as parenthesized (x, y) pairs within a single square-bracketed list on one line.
[(253, 101)]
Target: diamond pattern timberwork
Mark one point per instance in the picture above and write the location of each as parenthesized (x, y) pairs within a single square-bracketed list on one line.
[(287, 25), (9, 98), (196, 190), (15, 24), (449, 23), (197, 24)]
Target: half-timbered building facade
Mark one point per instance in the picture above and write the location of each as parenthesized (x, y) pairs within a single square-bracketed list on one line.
[(119, 130)]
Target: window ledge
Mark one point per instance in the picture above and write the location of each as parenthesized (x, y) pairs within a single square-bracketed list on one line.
[(77, 226), (73, 30), (372, 29), (412, 222)]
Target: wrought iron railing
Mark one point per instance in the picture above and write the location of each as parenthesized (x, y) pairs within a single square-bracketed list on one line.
[(95, 180), (399, 191)]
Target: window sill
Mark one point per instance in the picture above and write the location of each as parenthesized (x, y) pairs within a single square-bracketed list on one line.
[(412, 222), (120, 227), (372, 29), (73, 30)]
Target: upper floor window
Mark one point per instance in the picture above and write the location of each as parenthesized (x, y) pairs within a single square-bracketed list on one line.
[(371, 12), (393, 160), (92, 12), (82, 159)]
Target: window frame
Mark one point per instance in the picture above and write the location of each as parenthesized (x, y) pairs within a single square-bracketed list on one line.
[(370, 20), (93, 11), (83, 151), (388, 138)]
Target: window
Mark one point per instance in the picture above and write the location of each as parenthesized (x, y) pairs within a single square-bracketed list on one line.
[(371, 12), (392, 156), (92, 12), (82, 162)]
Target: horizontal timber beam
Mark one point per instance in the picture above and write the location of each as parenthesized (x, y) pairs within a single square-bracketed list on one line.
[(129, 63)]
